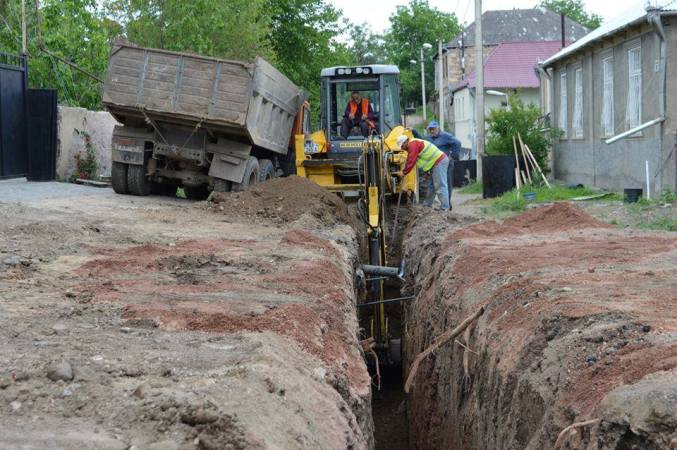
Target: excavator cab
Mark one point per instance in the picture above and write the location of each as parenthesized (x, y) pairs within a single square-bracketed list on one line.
[(331, 159), (378, 83)]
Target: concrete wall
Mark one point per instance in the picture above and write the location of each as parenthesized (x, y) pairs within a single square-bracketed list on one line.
[(70, 140), (620, 165)]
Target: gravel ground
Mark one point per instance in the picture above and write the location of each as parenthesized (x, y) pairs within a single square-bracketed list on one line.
[(158, 323)]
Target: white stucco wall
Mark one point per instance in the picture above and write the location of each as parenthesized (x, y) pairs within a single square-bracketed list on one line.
[(465, 122), (70, 142)]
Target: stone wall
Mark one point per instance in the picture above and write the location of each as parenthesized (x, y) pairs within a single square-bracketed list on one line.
[(74, 124)]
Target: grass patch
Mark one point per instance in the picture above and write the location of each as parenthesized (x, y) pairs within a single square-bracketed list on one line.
[(662, 223), (473, 188), (180, 193), (514, 201)]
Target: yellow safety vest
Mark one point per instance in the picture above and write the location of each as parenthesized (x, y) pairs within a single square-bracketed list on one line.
[(428, 156)]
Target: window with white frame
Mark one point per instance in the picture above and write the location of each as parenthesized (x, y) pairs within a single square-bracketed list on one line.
[(608, 96), (577, 123), (633, 112), (562, 114)]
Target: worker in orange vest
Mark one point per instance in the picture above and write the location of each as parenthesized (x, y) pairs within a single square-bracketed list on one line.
[(358, 113)]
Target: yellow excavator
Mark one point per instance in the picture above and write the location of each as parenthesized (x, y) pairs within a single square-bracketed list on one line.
[(366, 168)]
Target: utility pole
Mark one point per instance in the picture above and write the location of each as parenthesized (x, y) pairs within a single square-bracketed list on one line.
[(425, 119), (24, 46), (440, 73), (479, 88)]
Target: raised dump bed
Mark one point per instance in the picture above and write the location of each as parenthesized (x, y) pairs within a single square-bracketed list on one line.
[(187, 108)]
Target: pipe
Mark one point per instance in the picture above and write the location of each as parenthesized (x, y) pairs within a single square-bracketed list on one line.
[(654, 17), (394, 272), (632, 131), (648, 183), (390, 300)]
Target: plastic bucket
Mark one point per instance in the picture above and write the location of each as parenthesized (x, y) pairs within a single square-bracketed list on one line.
[(529, 196), (632, 195)]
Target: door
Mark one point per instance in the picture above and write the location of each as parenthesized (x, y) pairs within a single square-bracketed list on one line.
[(42, 117), (13, 155)]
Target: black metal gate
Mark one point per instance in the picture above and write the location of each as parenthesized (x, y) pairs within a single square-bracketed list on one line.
[(13, 86), (41, 140)]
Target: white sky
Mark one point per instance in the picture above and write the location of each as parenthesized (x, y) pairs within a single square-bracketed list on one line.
[(377, 12)]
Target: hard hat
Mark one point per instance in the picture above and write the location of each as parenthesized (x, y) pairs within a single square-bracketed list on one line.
[(433, 124), (401, 139)]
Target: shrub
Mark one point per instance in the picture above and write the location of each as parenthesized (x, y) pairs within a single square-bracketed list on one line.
[(504, 123), (85, 164)]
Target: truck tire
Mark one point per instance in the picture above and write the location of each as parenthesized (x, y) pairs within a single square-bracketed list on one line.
[(221, 185), (251, 175), (196, 192), (137, 181), (266, 170), (119, 178)]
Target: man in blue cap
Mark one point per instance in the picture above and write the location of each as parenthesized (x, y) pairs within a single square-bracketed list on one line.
[(451, 147)]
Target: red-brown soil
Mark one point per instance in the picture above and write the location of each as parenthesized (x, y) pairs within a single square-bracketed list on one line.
[(579, 318)]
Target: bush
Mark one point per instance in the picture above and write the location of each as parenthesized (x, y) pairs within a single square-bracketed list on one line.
[(504, 123)]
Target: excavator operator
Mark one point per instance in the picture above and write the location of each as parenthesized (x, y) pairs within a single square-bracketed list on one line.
[(358, 113)]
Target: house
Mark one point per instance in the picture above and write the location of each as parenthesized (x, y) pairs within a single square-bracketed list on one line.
[(509, 68), (514, 25), (613, 93)]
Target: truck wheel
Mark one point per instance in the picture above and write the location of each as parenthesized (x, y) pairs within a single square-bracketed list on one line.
[(119, 178), (196, 192), (251, 175), (221, 185), (137, 181), (266, 170)]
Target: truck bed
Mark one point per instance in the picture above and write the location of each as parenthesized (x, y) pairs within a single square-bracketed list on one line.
[(226, 97)]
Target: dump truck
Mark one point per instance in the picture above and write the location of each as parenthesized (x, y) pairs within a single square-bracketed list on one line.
[(198, 123)]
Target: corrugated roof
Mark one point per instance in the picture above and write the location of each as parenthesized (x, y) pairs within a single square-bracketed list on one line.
[(521, 25), (631, 16), (512, 65)]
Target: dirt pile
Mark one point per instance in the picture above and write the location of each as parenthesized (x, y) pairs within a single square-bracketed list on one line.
[(285, 200), (580, 325)]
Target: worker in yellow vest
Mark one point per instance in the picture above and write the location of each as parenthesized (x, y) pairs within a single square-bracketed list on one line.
[(428, 158)]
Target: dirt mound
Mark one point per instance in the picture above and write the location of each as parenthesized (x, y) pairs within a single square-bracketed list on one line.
[(285, 200), (559, 216), (578, 326)]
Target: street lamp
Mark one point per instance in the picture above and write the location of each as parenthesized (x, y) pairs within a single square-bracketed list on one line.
[(427, 47)]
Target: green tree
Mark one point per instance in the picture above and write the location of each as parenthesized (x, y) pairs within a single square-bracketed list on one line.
[(410, 27), (505, 123), (234, 29), (304, 36), (366, 46), (71, 29), (574, 10)]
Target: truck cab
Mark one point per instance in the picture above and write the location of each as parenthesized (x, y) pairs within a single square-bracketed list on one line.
[(378, 83)]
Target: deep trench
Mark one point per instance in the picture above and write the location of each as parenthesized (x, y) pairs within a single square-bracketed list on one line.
[(389, 402)]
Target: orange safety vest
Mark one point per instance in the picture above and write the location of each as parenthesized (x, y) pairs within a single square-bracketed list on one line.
[(364, 107)]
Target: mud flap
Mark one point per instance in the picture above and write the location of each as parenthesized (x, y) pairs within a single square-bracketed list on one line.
[(229, 161)]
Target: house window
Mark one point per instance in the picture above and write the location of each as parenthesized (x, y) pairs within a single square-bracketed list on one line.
[(562, 116), (633, 112), (608, 96), (577, 123)]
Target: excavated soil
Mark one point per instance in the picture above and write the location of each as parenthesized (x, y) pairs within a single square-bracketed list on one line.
[(284, 200), (580, 324), (173, 327)]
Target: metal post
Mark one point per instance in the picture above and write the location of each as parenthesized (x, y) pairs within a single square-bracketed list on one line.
[(24, 46), (479, 88), (423, 88), (440, 72)]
